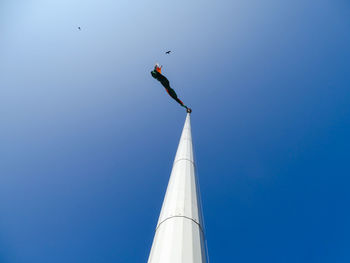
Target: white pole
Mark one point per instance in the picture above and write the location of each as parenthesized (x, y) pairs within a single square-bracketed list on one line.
[(179, 236)]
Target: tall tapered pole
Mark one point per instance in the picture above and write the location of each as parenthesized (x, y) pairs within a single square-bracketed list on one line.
[(179, 236)]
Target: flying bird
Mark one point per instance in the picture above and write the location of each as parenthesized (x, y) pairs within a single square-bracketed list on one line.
[(79, 27), (168, 52)]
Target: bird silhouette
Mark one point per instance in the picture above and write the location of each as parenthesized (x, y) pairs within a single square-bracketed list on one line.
[(168, 52), (79, 27)]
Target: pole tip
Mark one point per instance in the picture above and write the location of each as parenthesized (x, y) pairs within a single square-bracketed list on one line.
[(189, 110)]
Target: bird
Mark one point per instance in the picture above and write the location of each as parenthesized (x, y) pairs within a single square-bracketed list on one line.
[(79, 27), (168, 52)]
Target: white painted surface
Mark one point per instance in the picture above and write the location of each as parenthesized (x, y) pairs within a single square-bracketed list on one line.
[(179, 236)]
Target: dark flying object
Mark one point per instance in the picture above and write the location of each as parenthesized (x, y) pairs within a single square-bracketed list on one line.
[(168, 52), (79, 27), (157, 74)]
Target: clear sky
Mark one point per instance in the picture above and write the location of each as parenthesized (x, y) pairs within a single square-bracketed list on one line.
[(87, 136)]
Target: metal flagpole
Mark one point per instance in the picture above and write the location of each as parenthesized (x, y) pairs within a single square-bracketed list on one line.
[(179, 236)]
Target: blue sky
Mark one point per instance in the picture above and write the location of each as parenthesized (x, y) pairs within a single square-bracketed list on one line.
[(88, 137)]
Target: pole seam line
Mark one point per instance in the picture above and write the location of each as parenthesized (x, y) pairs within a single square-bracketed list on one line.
[(184, 159), (183, 217), (186, 139)]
